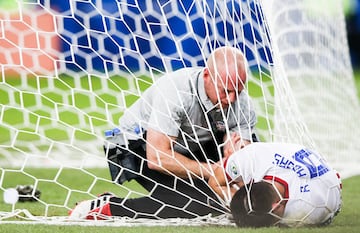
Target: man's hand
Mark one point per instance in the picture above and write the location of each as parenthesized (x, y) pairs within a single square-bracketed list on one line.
[(219, 183), (222, 186)]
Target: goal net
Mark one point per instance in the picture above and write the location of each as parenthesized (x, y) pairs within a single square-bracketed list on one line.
[(69, 69)]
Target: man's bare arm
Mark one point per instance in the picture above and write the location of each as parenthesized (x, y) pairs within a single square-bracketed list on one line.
[(162, 157), (220, 184)]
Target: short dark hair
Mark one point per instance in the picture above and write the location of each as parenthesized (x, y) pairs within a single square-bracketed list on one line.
[(252, 204)]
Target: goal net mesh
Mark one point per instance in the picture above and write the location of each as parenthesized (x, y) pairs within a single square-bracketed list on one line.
[(69, 69)]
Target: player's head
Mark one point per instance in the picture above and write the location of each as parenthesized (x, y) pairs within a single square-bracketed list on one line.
[(255, 205), (225, 75)]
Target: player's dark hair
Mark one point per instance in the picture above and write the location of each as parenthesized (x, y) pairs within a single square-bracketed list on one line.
[(251, 205)]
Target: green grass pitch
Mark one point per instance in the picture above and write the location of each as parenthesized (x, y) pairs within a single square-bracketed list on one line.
[(347, 221)]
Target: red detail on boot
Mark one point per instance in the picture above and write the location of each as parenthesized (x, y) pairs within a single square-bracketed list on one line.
[(100, 213)]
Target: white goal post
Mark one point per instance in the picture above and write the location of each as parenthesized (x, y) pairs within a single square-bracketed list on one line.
[(312, 68), (69, 68)]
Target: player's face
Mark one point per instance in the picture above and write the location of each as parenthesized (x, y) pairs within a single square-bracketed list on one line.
[(279, 208)]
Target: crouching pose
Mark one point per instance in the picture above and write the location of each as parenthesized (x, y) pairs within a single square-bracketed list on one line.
[(174, 136), (278, 184)]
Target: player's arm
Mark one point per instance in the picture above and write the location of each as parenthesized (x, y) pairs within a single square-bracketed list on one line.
[(162, 157), (220, 184)]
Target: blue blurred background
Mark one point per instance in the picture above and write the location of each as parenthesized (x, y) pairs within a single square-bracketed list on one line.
[(136, 40), (138, 35)]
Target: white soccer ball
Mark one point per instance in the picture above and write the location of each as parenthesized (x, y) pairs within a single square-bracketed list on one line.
[(11, 196)]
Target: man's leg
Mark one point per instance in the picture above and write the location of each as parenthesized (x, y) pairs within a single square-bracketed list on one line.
[(186, 201), (146, 207), (169, 196), (179, 197)]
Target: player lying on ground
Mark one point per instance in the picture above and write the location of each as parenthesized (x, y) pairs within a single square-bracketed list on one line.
[(173, 132), (286, 184), (280, 184)]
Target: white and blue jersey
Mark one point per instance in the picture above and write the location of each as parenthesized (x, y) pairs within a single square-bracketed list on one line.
[(312, 187)]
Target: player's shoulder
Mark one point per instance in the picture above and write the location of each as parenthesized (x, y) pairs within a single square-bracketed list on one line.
[(270, 147), (271, 144), (275, 144)]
